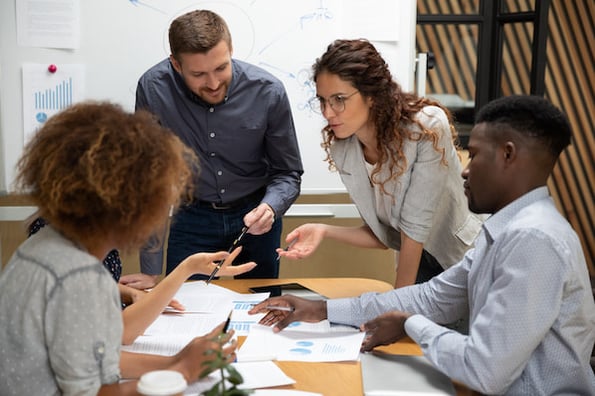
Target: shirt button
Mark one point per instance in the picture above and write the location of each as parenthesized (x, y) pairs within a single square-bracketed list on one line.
[(212, 154), (212, 134), (219, 173), (222, 191), (212, 109)]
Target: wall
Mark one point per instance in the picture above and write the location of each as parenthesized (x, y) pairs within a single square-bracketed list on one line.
[(120, 39)]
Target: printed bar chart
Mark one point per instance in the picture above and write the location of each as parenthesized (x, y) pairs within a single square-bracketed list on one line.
[(48, 90), (54, 99)]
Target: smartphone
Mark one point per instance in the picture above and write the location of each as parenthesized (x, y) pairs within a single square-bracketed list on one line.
[(289, 288)]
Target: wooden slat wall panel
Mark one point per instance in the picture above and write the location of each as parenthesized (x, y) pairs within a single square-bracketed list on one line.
[(568, 84)]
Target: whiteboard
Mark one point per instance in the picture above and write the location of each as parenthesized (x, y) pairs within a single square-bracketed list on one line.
[(120, 39)]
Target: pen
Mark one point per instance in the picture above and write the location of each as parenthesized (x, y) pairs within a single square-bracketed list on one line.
[(279, 308), (231, 248), (293, 241), (226, 325)]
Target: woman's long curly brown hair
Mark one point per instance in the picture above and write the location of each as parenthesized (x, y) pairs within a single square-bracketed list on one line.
[(95, 171), (393, 111)]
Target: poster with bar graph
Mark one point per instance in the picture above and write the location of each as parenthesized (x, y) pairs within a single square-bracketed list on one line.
[(47, 89)]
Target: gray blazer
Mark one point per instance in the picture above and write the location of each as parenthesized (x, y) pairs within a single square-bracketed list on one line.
[(430, 205)]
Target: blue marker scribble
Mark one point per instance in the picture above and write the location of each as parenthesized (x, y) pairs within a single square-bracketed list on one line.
[(320, 13), (137, 3)]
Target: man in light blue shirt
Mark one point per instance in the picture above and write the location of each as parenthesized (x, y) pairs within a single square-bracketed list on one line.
[(524, 288)]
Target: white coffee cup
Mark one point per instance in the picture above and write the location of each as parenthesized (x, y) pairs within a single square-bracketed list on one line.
[(162, 383)]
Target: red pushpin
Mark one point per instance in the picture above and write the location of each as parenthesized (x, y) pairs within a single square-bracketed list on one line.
[(52, 68)]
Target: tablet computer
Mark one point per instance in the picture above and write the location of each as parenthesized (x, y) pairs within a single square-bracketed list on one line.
[(289, 288)]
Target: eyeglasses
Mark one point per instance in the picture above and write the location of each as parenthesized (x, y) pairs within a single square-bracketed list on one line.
[(336, 102)]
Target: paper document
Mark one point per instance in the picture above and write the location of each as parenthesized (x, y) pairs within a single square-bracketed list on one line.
[(289, 344), (255, 375), (198, 297), (241, 321)]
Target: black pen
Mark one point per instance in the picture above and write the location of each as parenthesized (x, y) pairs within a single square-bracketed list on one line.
[(232, 247), (226, 325)]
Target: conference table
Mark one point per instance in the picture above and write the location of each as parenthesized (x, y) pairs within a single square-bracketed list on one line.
[(336, 378)]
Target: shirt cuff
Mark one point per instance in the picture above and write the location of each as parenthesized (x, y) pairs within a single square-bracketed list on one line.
[(338, 310), (415, 326)]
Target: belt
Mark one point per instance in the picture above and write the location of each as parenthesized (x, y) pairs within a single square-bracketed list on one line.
[(248, 199)]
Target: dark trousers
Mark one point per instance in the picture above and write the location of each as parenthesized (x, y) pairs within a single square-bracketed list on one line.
[(201, 228), (429, 267)]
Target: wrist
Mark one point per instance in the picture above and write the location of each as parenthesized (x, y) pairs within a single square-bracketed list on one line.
[(321, 312), (269, 207)]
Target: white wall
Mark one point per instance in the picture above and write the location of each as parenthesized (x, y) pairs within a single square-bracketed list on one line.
[(120, 39)]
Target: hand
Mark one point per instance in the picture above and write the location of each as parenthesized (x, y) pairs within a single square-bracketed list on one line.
[(260, 219), (205, 263), (139, 281), (130, 295), (191, 360), (176, 305), (384, 329), (303, 310), (303, 241)]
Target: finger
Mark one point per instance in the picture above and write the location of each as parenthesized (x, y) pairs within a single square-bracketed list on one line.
[(218, 256), (136, 285), (270, 318), (283, 323), (258, 308), (236, 269), (225, 337), (230, 347), (366, 346), (217, 330), (293, 235), (234, 253), (175, 304)]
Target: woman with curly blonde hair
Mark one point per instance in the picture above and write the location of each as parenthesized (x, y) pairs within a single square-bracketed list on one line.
[(103, 179), (397, 156)]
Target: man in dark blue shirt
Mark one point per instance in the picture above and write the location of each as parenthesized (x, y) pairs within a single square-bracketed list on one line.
[(238, 120)]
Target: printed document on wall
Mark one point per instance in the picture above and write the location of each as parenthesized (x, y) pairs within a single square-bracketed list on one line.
[(45, 93), (48, 23)]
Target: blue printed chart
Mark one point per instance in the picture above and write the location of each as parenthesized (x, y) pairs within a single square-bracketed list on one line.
[(47, 92)]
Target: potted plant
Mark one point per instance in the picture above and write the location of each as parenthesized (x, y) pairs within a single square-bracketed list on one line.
[(229, 375)]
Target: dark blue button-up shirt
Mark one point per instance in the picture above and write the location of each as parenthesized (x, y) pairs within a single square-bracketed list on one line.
[(245, 143)]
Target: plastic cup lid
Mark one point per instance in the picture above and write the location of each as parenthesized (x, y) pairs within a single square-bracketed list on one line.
[(161, 383)]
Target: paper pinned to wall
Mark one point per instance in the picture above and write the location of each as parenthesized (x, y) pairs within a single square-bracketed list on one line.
[(45, 93), (48, 23)]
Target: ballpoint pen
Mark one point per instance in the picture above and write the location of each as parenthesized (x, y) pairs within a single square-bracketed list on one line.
[(279, 308), (294, 240), (232, 247), (226, 325)]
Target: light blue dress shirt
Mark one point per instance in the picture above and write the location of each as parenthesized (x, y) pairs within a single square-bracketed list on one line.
[(526, 291)]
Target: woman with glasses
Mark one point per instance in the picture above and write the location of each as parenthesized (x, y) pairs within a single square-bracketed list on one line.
[(396, 154)]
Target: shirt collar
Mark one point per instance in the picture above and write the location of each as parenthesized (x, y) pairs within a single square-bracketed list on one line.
[(496, 223)]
